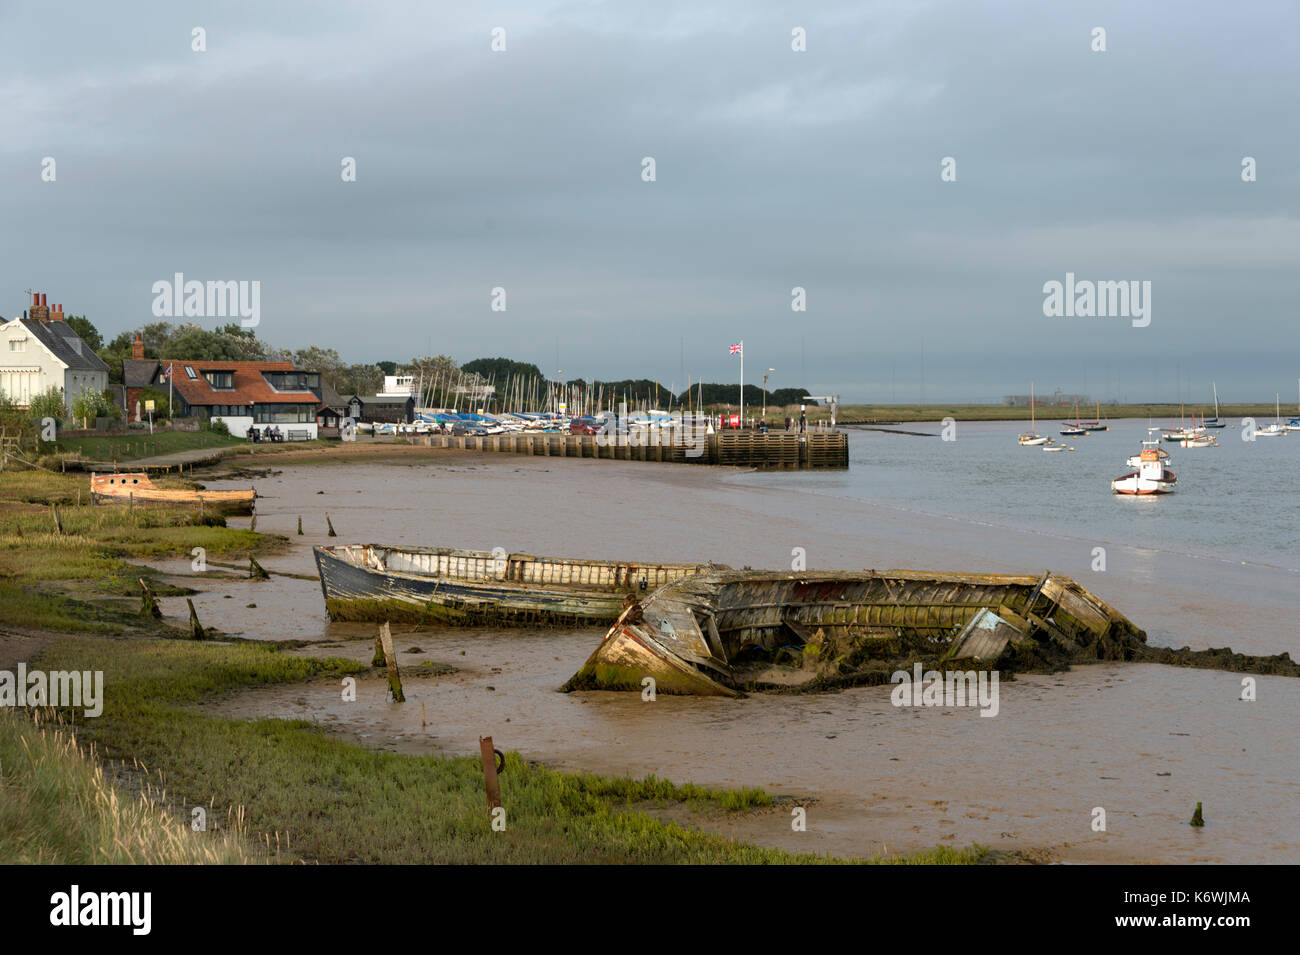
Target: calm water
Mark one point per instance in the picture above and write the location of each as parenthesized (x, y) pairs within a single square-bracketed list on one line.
[(1144, 742), (1236, 502)]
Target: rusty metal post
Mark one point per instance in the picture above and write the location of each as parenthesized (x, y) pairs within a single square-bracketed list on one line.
[(489, 755)]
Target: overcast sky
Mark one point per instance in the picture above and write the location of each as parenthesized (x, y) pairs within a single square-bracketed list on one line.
[(821, 169)]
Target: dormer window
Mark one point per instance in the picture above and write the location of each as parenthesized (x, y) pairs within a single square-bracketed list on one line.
[(220, 380)]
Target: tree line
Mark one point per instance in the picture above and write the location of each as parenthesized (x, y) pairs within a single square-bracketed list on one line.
[(441, 380)]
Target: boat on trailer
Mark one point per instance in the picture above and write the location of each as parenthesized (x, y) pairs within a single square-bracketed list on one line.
[(697, 634), (379, 583), (135, 487)]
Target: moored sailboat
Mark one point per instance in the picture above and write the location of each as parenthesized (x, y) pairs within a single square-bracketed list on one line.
[(1276, 429), (1214, 422), (1073, 430), (1032, 438)]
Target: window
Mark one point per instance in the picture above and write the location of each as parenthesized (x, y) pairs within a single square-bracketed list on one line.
[(293, 380), (221, 380), (284, 414), (190, 371), (18, 344)]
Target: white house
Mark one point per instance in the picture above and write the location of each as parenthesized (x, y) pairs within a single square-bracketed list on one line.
[(41, 351)]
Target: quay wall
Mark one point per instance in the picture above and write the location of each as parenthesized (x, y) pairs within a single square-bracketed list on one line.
[(776, 450)]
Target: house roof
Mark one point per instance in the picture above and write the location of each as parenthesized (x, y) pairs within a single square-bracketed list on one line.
[(139, 372), (65, 344), (250, 386), (331, 398), (384, 399)]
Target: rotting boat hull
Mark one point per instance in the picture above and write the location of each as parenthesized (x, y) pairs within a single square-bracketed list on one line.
[(687, 635), (136, 488), (481, 588)]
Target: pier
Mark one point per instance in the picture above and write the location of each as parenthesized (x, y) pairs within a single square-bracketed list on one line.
[(775, 450)]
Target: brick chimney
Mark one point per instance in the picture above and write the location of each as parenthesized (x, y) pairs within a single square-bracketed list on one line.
[(57, 314), (40, 311), (137, 348)]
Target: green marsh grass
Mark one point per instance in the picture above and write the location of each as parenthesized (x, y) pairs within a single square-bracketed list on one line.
[(57, 807), (339, 802)]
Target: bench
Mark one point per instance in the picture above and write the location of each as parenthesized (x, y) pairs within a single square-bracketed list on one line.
[(298, 434)]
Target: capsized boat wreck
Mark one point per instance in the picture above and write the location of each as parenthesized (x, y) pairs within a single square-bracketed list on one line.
[(726, 632), (483, 588)]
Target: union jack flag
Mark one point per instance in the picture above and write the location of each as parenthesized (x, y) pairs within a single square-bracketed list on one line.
[(738, 348)]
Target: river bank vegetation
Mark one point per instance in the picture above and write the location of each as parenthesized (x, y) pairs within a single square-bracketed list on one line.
[(123, 787)]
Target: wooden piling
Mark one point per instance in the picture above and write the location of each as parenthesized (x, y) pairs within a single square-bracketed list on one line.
[(255, 570), (390, 656), (196, 629), (489, 756), (378, 660), (148, 604), (330, 525), (58, 523), (299, 525)]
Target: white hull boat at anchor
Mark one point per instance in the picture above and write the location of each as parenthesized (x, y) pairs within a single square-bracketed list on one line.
[(1151, 476)]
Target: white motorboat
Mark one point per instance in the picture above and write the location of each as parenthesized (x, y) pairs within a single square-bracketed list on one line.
[(1151, 476)]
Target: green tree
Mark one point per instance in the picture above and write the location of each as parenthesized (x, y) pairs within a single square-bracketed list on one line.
[(87, 332), (501, 369), (161, 406)]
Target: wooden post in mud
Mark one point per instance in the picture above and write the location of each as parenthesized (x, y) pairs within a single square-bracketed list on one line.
[(489, 757), (58, 524), (299, 525), (330, 525), (255, 571), (148, 605), (390, 658), (252, 525), (196, 629)]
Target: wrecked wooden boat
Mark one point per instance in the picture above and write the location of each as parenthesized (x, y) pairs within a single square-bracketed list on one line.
[(482, 588), (723, 633), (135, 487)]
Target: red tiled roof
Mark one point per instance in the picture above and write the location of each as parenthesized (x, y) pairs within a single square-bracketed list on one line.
[(250, 386)]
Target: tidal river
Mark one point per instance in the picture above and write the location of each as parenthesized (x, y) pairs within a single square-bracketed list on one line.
[(1142, 742)]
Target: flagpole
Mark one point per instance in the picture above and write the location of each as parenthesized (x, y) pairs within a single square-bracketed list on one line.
[(742, 383)]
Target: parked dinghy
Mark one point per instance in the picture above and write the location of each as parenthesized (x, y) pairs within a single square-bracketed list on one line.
[(725, 632), (482, 588)]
